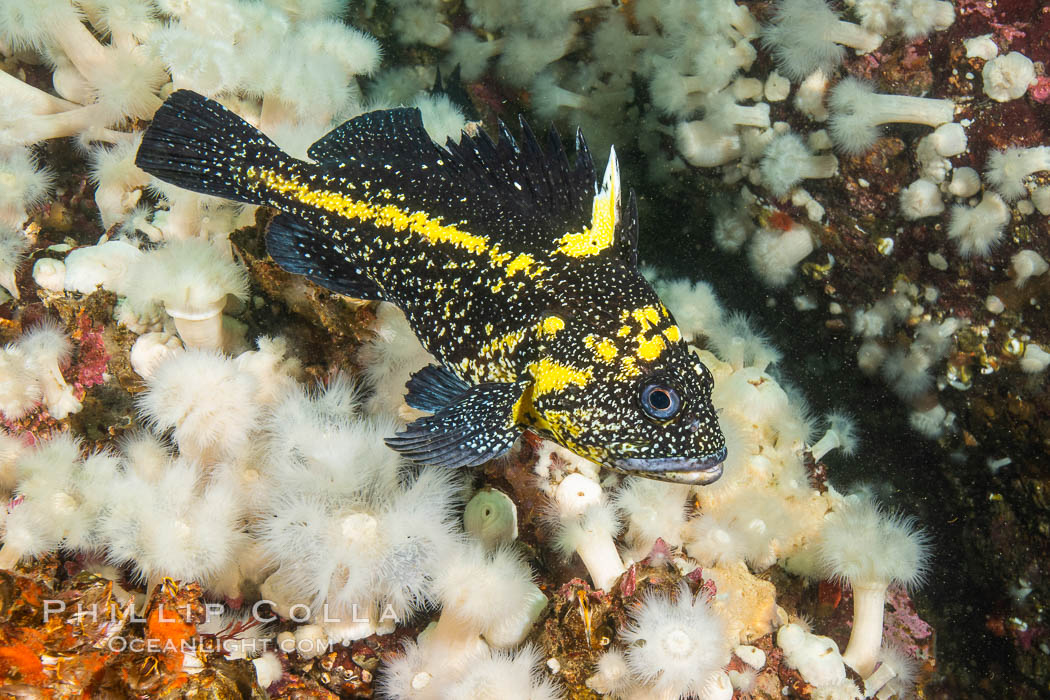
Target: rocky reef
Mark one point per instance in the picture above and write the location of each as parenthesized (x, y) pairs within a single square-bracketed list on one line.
[(877, 201)]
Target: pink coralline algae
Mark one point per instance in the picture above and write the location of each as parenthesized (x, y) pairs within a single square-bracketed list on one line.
[(709, 589), (660, 554), (965, 7), (89, 368), (905, 628), (1040, 92), (1007, 32), (629, 581), (32, 428)]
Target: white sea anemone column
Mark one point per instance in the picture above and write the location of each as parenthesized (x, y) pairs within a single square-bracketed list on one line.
[(870, 550)]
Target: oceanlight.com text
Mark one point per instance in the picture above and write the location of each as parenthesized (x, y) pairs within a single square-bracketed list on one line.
[(230, 647)]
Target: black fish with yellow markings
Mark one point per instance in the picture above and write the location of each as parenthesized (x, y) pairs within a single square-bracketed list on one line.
[(512, 270)]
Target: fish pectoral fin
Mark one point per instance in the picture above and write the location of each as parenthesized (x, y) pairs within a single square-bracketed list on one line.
[(476, 428), (433, 388), (300, 249)]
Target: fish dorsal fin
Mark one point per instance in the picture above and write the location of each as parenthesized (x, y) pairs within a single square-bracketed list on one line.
[(612, 228), (540, 186), (627, 233), (375, 135), (605, 210), (514, 193)]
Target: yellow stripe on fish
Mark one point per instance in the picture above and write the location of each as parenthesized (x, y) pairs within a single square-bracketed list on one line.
[(552, 376), (601, 234)]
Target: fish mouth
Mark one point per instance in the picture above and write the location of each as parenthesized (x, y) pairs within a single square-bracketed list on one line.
[(678, 470)]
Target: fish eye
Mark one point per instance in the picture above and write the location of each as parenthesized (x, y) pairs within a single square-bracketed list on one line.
[(660, 401)]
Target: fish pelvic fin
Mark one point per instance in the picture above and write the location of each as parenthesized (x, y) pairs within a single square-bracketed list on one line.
[(476, 428), (199, 145)]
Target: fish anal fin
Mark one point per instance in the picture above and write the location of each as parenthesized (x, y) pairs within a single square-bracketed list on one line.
[(300, 249), (433, 388), (478, 427)]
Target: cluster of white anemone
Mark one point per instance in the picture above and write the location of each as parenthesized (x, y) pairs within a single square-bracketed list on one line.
[(978, 206), (764, 511), (268, 489), (673, 648), (31, 374), (271, 490)]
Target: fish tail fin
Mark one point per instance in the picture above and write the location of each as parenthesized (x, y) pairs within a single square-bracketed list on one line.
[(199, 145)]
